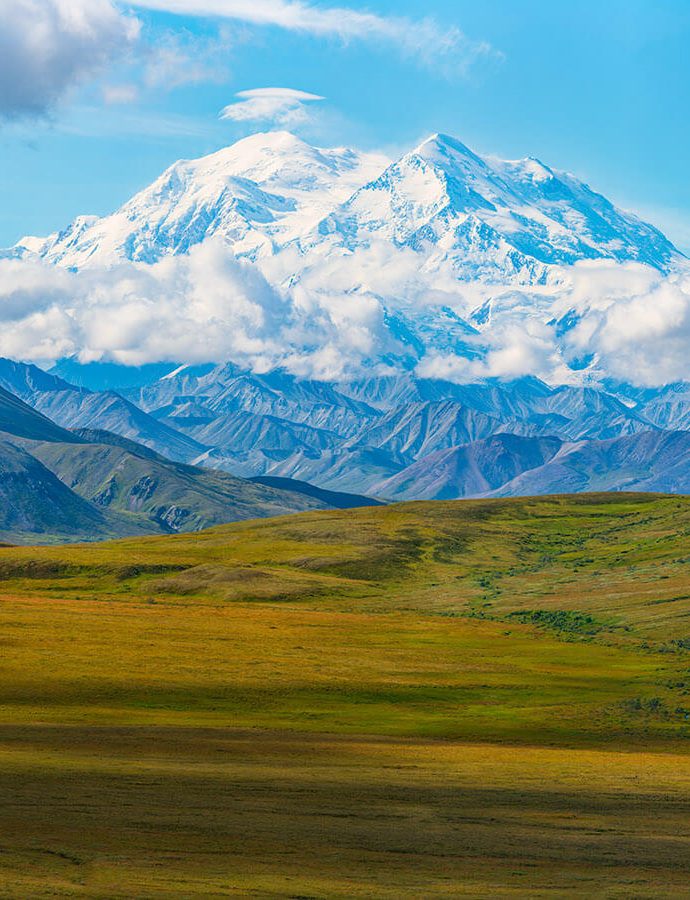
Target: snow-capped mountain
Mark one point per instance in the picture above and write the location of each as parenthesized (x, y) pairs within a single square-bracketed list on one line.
[(257, 194), (483, 310), (445, 263), (491, 220)]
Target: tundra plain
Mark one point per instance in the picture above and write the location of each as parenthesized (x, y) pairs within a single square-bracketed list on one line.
[(482, 698)]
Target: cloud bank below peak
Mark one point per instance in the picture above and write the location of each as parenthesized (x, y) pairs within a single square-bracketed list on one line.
[(630, 322), (198, 307)]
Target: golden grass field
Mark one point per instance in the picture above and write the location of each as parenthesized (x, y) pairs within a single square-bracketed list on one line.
[(482, 699)]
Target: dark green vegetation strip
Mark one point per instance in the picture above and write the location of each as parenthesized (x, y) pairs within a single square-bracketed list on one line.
[(565, 621)]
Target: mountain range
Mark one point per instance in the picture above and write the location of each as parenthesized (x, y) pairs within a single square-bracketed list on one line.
[(83, 484), (500, 233), (178, 451), (488, 217)]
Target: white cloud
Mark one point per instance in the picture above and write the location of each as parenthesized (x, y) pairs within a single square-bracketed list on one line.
[(120, 94), (48, 47), (174, 60), (626, 321), (511, 350), (424, 39), (280, 106), (631, 321), (194, 308)]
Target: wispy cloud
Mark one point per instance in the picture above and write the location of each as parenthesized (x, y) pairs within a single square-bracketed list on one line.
[(120, 94), (176, 59), (279, 106), (126, 120), (424, 39), (50, 47)]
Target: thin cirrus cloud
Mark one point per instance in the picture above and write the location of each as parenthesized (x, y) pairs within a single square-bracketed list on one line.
[(279, 106), (424, 38), (49, 47)]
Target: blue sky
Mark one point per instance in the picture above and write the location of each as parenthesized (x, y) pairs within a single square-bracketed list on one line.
[(598, 88)]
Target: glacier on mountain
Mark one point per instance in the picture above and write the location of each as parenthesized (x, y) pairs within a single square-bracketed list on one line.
[(276, 254), (491, 219)]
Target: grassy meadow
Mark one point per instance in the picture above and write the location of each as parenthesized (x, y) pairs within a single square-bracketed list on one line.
[(483, 698)]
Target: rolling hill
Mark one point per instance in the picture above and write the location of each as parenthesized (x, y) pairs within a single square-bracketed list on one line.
[(60, 485), (429, 699), (118, 475)]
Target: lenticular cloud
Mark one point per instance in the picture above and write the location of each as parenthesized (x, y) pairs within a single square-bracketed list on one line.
[(282, 106)]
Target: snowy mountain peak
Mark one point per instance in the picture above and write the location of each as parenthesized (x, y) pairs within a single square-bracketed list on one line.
[(492, 220), (489, 220), (277, 161), (271, 140), (446, 151), (535, 169), (257, 194)]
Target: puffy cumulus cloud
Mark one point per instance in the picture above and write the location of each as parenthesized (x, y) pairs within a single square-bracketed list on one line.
[(198, 307), (204, 306), (380, 269), (633, 321), (600, 319), (427, 40), (336, 334), (49, 46), (279, 106), (509, 350), (628, 322)]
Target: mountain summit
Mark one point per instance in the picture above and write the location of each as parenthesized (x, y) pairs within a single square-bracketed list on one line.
[(257, 194), (492, 220)]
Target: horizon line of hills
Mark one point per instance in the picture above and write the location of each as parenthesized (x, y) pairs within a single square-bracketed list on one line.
[(178, 451)]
